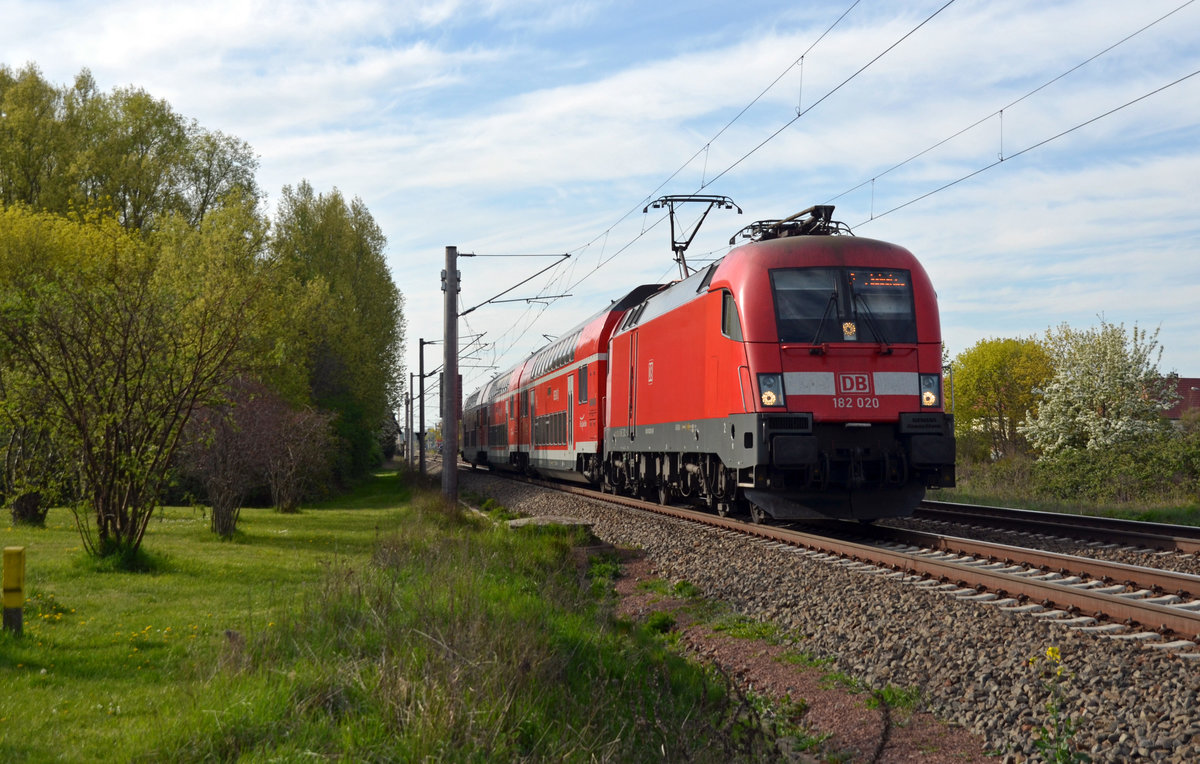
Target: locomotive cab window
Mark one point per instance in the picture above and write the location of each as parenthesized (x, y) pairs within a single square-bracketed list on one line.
[(582, 384), (817, 305)]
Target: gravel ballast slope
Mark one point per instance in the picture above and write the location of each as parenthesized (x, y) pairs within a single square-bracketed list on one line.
[(970, 661)]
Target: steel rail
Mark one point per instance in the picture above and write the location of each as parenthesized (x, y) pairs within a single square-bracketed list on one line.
[(1184, 539), (1150, 615), (1172, 581)]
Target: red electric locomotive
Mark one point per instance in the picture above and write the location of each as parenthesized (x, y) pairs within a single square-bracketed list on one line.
[(797, 377)]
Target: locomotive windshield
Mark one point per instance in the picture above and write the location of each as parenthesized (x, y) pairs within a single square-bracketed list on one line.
[(816, 305)]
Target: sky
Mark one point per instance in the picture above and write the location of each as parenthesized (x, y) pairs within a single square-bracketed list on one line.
[(1041, 158)]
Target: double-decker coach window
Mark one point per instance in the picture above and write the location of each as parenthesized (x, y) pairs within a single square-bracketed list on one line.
[(817, 305), (582, 386)]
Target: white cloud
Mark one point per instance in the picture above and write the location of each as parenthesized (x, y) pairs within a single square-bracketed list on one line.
[(528, 125)]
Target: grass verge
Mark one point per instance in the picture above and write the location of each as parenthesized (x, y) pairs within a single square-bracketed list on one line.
[(376, 627)]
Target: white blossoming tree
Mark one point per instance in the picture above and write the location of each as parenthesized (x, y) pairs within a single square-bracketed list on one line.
[(1106, 389)]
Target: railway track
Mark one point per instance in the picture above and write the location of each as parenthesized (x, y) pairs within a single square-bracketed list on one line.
[(1182, 539), (973, 664), (1159, 609)]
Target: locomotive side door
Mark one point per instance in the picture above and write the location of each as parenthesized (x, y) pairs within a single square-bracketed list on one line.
[(633, 378)]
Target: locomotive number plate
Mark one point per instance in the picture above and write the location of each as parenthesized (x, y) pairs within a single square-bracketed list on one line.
[(855, 403)]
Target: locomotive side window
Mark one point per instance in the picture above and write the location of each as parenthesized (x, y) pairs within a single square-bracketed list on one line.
[(817, 305), (731, 327), (581, 384)]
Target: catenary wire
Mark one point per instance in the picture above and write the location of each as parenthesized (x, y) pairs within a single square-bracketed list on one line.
[(605, 260), (1027, 149), (1001, 110)]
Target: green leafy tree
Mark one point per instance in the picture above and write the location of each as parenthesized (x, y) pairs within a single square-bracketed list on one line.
[(995, 384), (215, 166), (1106, 390), (355, 339), (76, 148), (33, 139), (34, 474), (115, 339), (131, 156)]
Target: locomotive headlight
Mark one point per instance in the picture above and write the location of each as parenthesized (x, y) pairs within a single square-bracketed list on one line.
[(931, 390), (770, 390)]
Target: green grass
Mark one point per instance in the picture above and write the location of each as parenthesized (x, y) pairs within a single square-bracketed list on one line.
[(103, 651), (374, 627), (805, 659), (841, 679), (902, 698), (743, 627), (491, 507)]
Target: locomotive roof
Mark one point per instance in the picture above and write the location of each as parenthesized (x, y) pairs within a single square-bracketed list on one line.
[(502, 382), (788, 251), (670, 298)]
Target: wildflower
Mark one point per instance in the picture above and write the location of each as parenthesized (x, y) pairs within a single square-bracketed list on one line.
[(1055, 736)]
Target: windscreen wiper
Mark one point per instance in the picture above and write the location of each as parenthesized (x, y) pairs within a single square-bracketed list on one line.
[(820, 350), (875, 330)]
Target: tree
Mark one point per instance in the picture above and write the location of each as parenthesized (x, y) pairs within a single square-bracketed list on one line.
[(353, 355), (219, 451), (34, 474), (299, 454), (115, 339), (32, 139), (214, 166), (389, 436), (76, 148), (1106, 389), (255, 438), (995, 384), (132, 156)]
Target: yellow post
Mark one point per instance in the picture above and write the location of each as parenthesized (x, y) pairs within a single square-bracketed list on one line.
[(14, 588)]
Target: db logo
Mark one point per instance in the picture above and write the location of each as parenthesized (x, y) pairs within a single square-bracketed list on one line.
[(854, 384)]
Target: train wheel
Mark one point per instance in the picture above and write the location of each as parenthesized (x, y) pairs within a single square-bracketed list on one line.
[(757, 514), (664, 494), (723, 509)]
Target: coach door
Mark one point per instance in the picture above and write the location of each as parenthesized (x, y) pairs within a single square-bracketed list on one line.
[(570, 412)]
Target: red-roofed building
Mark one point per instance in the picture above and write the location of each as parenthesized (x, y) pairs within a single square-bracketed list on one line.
[(1189, 398)]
